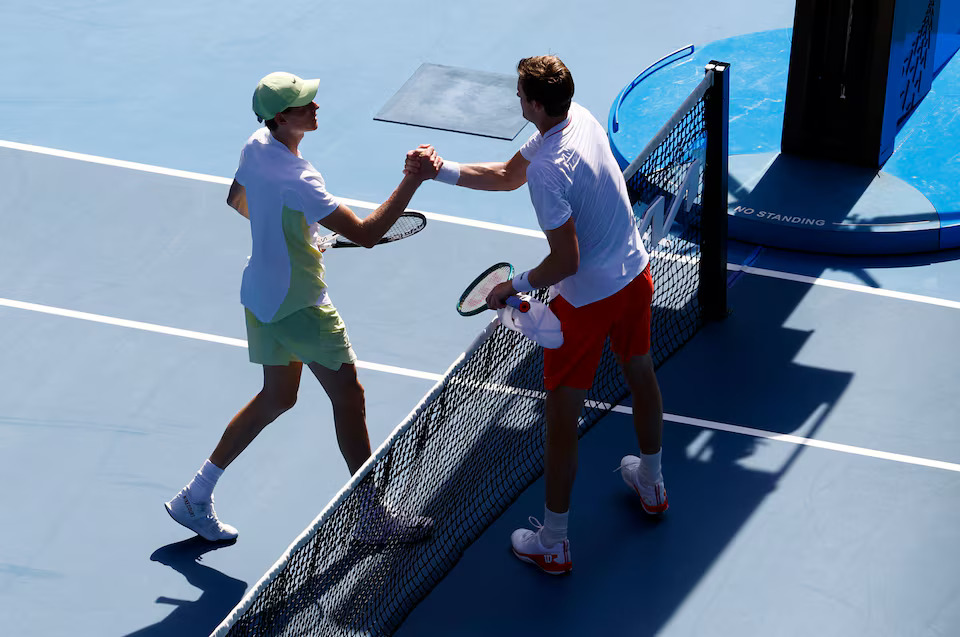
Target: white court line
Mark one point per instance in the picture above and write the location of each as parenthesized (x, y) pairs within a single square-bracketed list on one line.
[(117, 163), (786, 276), (390, 369), (198, 336), (799, 440), (850, 287), (183, 174)]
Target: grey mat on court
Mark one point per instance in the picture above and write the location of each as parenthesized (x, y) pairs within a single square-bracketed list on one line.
[(458, 100)]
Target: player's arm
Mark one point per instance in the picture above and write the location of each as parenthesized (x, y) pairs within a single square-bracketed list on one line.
[(237, 199), (504, 175), (563, 261), (366, 232)]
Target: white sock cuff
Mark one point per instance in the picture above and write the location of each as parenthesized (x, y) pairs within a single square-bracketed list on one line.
[(554, 527), (211, 471), (650, 463)]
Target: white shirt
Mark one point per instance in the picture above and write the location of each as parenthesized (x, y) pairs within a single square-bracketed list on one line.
[(285, 195), (573, 173)]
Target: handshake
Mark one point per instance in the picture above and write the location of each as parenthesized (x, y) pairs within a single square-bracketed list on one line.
[(422, 163)]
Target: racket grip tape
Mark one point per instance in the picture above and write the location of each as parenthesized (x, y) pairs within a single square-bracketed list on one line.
[(518, 303)]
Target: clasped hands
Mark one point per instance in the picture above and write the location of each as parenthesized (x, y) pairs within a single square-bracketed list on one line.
[(423, 162)]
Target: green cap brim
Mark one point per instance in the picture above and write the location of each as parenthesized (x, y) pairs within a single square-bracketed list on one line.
[(307, 93)]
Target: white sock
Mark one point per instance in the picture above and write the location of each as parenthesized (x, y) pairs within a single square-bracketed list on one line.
[(554, 528), (650, 466), (201, 487)]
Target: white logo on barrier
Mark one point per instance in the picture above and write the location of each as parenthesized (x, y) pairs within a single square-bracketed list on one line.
[(689, 188)]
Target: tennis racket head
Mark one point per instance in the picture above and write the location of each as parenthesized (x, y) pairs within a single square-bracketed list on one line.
[(474, 298), (407, 225)]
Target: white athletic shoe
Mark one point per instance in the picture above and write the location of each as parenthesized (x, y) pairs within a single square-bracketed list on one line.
[(527, 546), (653, 495), (200, 518), (379, 525)]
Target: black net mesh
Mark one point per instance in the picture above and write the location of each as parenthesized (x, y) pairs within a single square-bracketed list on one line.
[(473, 445)]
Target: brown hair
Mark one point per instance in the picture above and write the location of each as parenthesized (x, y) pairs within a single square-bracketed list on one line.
[(545, 79)]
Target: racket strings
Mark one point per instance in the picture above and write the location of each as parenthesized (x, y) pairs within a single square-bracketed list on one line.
[(408, 224), (405, 226), (476, 297)]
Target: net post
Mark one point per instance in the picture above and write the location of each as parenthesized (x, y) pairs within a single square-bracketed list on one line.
[(713, 258)]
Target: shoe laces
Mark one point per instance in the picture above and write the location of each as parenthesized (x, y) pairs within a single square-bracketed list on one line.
[(638, 475), (209, 512), (539, 533)]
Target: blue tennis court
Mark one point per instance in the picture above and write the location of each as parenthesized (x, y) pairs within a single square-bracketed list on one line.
[(810, 443)]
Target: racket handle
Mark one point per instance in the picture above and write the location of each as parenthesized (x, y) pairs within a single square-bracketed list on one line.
[(518, 303)]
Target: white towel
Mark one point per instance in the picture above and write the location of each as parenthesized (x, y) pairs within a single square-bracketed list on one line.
[(539, 323)]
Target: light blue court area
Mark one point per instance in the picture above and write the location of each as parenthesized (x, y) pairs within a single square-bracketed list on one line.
[(811, 452), (911, 205)]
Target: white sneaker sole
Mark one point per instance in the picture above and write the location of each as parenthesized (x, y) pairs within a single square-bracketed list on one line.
[(528, 560), (166, 505)]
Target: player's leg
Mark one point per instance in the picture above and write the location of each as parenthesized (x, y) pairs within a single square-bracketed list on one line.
[(562, 413), (378, 523), (193, 506), (568, 372), (548, 547), (647, 402), (281, 384), (349, 411), (630, 341), (319, 338)]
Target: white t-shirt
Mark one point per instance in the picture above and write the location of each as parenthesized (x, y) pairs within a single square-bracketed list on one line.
[(573, 173), (285, 196)]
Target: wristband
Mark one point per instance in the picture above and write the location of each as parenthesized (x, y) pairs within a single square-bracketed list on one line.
[(449, 173), (521, 282)]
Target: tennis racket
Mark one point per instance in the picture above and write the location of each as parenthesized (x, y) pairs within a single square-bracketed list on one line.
[(474, 298), (409, 224)]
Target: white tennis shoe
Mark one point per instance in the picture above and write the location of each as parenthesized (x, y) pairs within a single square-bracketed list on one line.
[(199, 517), (653, 495), (528, 547)]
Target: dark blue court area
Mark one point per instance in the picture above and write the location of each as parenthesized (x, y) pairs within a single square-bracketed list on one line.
[(811, 448)]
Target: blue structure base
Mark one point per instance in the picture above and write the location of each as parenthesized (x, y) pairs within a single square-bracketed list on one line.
[(911, 205)]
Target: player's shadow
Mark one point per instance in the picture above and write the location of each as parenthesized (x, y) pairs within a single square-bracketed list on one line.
[(633, 572), (219, 592), (636, 572), (310, 596)]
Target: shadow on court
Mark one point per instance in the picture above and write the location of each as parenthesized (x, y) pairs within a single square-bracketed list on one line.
[(219, 592), (632, 572)]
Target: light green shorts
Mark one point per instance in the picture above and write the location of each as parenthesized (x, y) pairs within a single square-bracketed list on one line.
[(311, 335)]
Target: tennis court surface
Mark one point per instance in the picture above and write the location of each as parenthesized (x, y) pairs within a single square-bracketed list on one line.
[(809, 440)]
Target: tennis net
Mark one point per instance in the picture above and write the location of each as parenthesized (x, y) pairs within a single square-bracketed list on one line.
[(474, 442)]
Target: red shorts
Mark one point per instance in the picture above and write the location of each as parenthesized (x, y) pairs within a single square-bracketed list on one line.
[(624, 317)]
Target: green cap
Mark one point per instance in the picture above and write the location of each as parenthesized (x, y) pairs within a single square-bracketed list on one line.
[(279, 91)]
